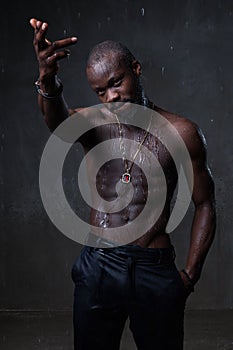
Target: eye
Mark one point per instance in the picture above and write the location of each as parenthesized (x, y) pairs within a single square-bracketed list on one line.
[(117, 82), (100, 92)]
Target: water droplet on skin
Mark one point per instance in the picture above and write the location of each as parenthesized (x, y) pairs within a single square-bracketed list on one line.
[(106, 218), (105, 221), (142, 11), (125, 215), (157, 148)]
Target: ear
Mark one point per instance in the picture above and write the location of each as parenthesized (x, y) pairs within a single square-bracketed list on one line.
[(137, 69)]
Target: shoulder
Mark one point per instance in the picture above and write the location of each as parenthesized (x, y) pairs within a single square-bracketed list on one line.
[(190, 132), (72, 111)]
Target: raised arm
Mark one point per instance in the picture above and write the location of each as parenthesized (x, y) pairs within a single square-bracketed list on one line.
[(204, 221), (50, 96)]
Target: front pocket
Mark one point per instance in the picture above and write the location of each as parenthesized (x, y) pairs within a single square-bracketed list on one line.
[(184, 290)]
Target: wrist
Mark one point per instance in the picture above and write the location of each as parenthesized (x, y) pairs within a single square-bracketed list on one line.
[(49, 89), (194, 272), (189, 279)]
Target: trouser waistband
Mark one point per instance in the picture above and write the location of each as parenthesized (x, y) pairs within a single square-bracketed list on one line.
[(159, 255)]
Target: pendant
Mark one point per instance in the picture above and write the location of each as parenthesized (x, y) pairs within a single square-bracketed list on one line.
[(126, 178)]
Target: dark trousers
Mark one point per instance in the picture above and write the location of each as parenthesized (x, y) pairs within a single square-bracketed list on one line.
[(112, 284)]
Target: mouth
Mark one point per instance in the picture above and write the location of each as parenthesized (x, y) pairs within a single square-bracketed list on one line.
[(118, 107)]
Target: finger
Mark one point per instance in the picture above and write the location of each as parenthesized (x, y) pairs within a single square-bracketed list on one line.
[(60, 44), (48, 41), (40, 35), (33, 22), (57, 56), (49, 52), (37, 25), (43, 31)]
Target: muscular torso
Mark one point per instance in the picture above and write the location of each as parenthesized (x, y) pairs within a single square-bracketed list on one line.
[(109, 174)]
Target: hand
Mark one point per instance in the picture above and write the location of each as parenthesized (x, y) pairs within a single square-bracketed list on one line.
[(48, 53), (186, 283)]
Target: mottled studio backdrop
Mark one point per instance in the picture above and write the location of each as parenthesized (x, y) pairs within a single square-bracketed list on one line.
[(186, 51)]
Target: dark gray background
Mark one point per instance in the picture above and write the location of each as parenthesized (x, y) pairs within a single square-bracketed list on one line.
[(185, 48)]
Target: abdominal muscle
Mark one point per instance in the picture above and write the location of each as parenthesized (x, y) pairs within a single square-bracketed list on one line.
[(155, 236), (109, 176)]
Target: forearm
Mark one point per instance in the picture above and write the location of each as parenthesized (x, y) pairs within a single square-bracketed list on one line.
[(55, 109), (202, 234)]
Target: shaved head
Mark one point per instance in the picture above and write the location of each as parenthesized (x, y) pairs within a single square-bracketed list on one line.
[(109, 48)]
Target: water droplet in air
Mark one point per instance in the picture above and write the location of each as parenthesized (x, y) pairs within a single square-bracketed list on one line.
[(142, 11)]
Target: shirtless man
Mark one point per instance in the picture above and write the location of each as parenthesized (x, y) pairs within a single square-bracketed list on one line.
[(138, 280)]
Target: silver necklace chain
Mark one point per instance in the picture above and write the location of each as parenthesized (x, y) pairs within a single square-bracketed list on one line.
[(126, 177)]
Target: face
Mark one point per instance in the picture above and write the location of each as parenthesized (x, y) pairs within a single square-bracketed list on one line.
[(113, 81)]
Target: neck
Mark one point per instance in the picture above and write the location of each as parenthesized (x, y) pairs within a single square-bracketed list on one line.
[(146, 102)]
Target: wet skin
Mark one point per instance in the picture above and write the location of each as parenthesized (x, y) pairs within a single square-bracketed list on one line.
[(114, 81), (110, 174)]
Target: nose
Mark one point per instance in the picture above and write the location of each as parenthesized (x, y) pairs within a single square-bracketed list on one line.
[(112, 95)]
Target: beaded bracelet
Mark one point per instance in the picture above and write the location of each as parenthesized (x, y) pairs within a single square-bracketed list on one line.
[(46, 94), (191, 283)]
